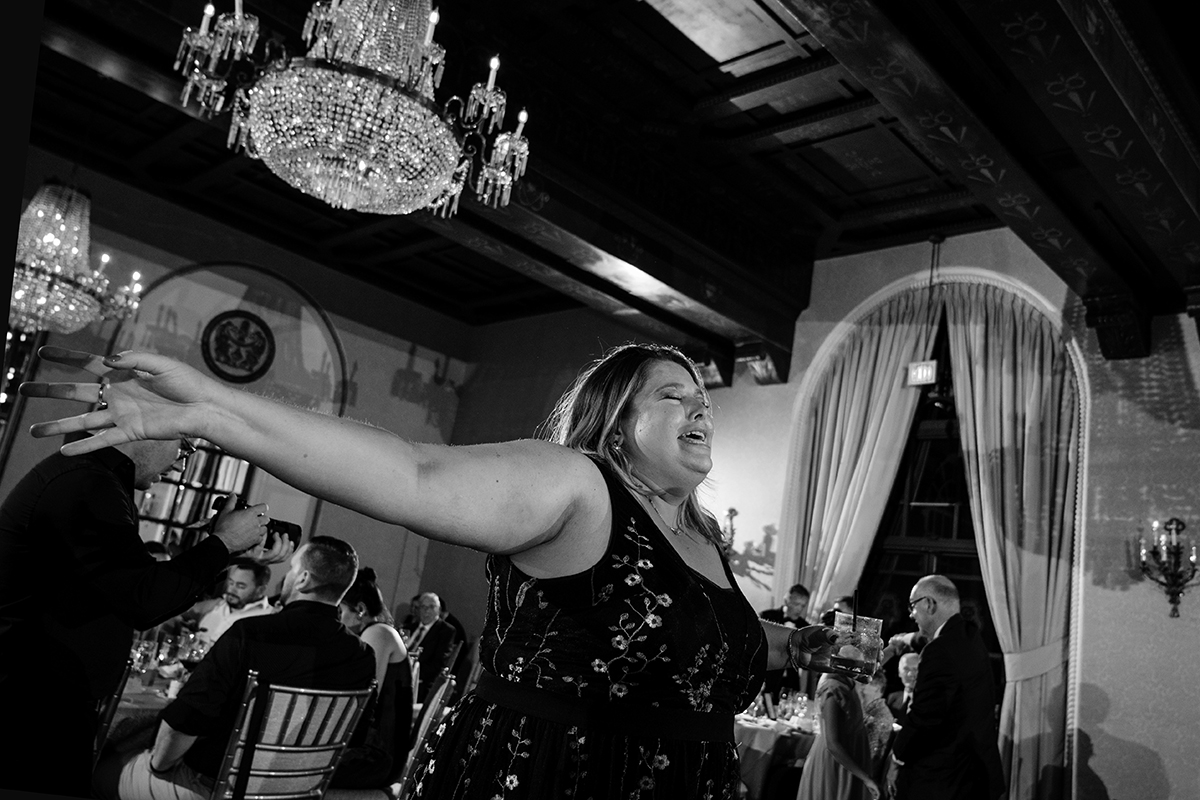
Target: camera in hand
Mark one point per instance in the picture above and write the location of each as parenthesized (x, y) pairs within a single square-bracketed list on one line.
[(275, 527)]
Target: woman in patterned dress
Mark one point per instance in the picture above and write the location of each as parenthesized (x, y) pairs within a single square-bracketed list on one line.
[(617, 646)]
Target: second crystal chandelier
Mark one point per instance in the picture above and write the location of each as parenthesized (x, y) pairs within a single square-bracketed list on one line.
[(354, 123)]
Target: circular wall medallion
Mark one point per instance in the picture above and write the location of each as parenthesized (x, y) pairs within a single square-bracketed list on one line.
[(238, 346)]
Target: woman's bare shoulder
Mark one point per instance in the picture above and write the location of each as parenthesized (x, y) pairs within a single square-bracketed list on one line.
[(382, 636)]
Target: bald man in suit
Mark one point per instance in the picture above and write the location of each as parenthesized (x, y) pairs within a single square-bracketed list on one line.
[(947, 748)]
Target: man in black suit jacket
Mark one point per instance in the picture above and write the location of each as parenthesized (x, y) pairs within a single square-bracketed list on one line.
[(947, 749), (433, 636), (899, 701)]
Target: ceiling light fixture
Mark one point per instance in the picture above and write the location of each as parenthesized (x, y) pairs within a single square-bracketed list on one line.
[(54, 285), (354, 122)]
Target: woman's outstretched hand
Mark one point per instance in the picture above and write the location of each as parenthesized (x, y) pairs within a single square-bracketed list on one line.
[(144, 396)]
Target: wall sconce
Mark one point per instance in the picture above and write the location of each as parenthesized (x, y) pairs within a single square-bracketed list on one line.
[(1165, 565)]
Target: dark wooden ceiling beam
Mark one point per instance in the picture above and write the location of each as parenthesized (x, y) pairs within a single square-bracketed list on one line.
[(164, 145), (219, 172), (835, 118), (1081, 73), (909, 208), (589, 233), (760, 88), (500, 245), (357, 233), (155, 83), (848, 244), (418, 243), (812, 204), (859, 35)]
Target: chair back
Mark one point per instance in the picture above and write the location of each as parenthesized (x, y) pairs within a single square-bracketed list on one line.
[(108, 708), (287, 741), (431, 712), (452, 655), (414, 663)]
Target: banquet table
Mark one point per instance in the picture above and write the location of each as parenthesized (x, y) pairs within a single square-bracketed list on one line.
[(140, 702), (766, 745)]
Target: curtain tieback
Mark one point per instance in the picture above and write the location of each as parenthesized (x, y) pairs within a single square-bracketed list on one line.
[(1032, 663)]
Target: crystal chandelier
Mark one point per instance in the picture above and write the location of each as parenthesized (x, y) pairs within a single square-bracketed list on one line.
[(54, 286), (354, 122)]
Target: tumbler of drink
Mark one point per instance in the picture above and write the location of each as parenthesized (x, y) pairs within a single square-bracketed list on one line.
[(858, 645)]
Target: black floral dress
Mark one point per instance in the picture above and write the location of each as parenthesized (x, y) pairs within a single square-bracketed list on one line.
[(640, 636)]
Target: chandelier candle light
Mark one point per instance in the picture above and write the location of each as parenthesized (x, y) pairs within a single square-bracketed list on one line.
[(54, 285), (354, 122), (1166, 565)]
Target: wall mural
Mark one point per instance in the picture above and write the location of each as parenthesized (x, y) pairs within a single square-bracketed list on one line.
[(244, 325), (751, 559)]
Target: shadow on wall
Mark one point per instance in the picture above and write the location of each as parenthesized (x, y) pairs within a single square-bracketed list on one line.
[(1090, 786), (1161, 386), (1145, 437), (1131, 771)]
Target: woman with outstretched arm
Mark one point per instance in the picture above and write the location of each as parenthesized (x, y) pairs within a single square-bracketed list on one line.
[(617, 646)]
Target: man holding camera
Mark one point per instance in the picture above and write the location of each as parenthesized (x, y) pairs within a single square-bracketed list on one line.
[(64, 640)]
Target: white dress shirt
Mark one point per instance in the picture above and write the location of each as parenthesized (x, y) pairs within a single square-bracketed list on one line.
[(217, 621)]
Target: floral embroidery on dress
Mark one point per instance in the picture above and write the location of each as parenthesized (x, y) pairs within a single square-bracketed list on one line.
[(698, 691), (638, 630)]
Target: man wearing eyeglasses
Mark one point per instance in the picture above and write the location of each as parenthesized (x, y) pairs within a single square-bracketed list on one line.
[(947, 749), (64, 640)]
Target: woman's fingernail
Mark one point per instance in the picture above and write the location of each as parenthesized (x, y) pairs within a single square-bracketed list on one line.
[(114, 357)]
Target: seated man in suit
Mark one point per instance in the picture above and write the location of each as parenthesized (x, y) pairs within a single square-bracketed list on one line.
[(947, 749), (304, 644), (900, 700), (432, 637)]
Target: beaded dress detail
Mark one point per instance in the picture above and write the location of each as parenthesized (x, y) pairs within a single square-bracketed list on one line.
[(640, 630)]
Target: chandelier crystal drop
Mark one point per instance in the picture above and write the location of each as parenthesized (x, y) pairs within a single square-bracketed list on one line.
[(54, 286), (354, 122)]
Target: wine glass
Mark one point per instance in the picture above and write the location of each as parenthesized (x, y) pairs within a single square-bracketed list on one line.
[(193, 652)]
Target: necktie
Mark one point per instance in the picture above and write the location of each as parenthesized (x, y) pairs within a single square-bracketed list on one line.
[(417, 636), (907, 701)]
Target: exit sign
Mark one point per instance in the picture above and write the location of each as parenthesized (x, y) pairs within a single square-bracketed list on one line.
[(921, 373)]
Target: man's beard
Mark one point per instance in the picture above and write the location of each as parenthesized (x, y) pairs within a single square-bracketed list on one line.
[(236, 603)]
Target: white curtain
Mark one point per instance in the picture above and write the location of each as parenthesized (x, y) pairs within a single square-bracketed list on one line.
[(1019, 416), (851, 433)]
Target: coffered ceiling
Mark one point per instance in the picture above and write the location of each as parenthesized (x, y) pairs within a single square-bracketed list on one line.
[(692, 158)]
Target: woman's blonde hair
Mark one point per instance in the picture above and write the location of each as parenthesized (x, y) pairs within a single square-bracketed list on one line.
[(589, 413)]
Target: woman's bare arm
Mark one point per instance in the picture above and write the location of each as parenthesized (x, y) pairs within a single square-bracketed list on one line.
[(833, 728), (499, 498), (807, 641)]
